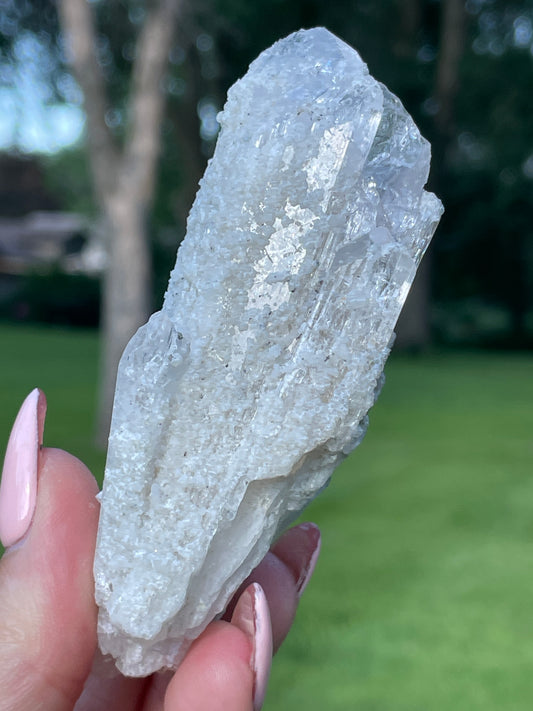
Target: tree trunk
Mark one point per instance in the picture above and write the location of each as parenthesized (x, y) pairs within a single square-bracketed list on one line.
[(518, 296), (413, 331), (414, 327), (125, 298), (451, 48), (410, 20), (123, 179)]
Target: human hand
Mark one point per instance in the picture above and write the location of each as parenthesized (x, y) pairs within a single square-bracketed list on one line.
[(48, 645)]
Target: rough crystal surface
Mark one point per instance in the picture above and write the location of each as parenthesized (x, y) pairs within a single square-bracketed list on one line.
[(235, 403)]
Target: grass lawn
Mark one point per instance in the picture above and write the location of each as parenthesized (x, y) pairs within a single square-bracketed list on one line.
[(421, 600), (63, 364)]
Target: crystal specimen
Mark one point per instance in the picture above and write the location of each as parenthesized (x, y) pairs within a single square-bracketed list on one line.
[(235, 403)]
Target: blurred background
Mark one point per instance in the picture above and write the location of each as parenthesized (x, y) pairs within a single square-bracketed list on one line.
[(107, 118)]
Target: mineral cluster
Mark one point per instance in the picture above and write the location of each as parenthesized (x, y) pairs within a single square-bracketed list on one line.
[(236, 402)]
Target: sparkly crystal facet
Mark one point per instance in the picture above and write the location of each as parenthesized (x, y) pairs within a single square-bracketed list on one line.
[(235, 403)]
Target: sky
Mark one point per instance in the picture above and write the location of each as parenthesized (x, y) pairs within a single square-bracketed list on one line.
[(31, 118), (34, 127)]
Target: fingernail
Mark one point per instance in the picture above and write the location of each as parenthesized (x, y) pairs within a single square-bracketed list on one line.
[(252, 616), (309, 557), (18, 488), (299, 549)]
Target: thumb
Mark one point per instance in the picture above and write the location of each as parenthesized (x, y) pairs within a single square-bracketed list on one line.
[(48, 521)]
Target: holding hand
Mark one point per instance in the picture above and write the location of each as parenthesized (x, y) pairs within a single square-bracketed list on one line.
[(48, 646)]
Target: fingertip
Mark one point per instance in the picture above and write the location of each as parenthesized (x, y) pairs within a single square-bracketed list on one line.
[(284, 574), (299, 549), (18, 486), (64, 535), (216, 674), (46, 585), (65, 481), (252, 616)]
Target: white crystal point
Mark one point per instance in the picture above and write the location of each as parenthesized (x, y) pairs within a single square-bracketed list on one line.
[(235, 403)]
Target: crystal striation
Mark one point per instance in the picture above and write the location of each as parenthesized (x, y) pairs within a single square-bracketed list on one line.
[(235, 403)]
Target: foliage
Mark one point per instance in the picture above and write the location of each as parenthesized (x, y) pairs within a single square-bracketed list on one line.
[(66, 175), (483, 160), (54, 297), (486, 248)]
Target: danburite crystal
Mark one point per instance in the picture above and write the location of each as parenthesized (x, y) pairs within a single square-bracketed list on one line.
[(235, 403)]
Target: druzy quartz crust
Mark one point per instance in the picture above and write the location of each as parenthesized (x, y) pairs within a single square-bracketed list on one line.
[(237, 400)]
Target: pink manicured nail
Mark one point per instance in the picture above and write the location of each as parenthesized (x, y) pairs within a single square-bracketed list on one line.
[(18, 488), (315, 541), (252, 616), (299, 548)]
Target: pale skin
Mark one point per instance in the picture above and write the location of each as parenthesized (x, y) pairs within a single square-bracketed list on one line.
[(48, 658)]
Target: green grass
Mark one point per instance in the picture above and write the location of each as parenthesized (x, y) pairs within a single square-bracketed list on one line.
[(422, 595), (421, 599), (64, 364)]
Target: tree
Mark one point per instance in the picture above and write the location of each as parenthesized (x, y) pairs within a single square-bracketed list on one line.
[(414, 326), (462, 69), (485, 261), (123, 174)]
